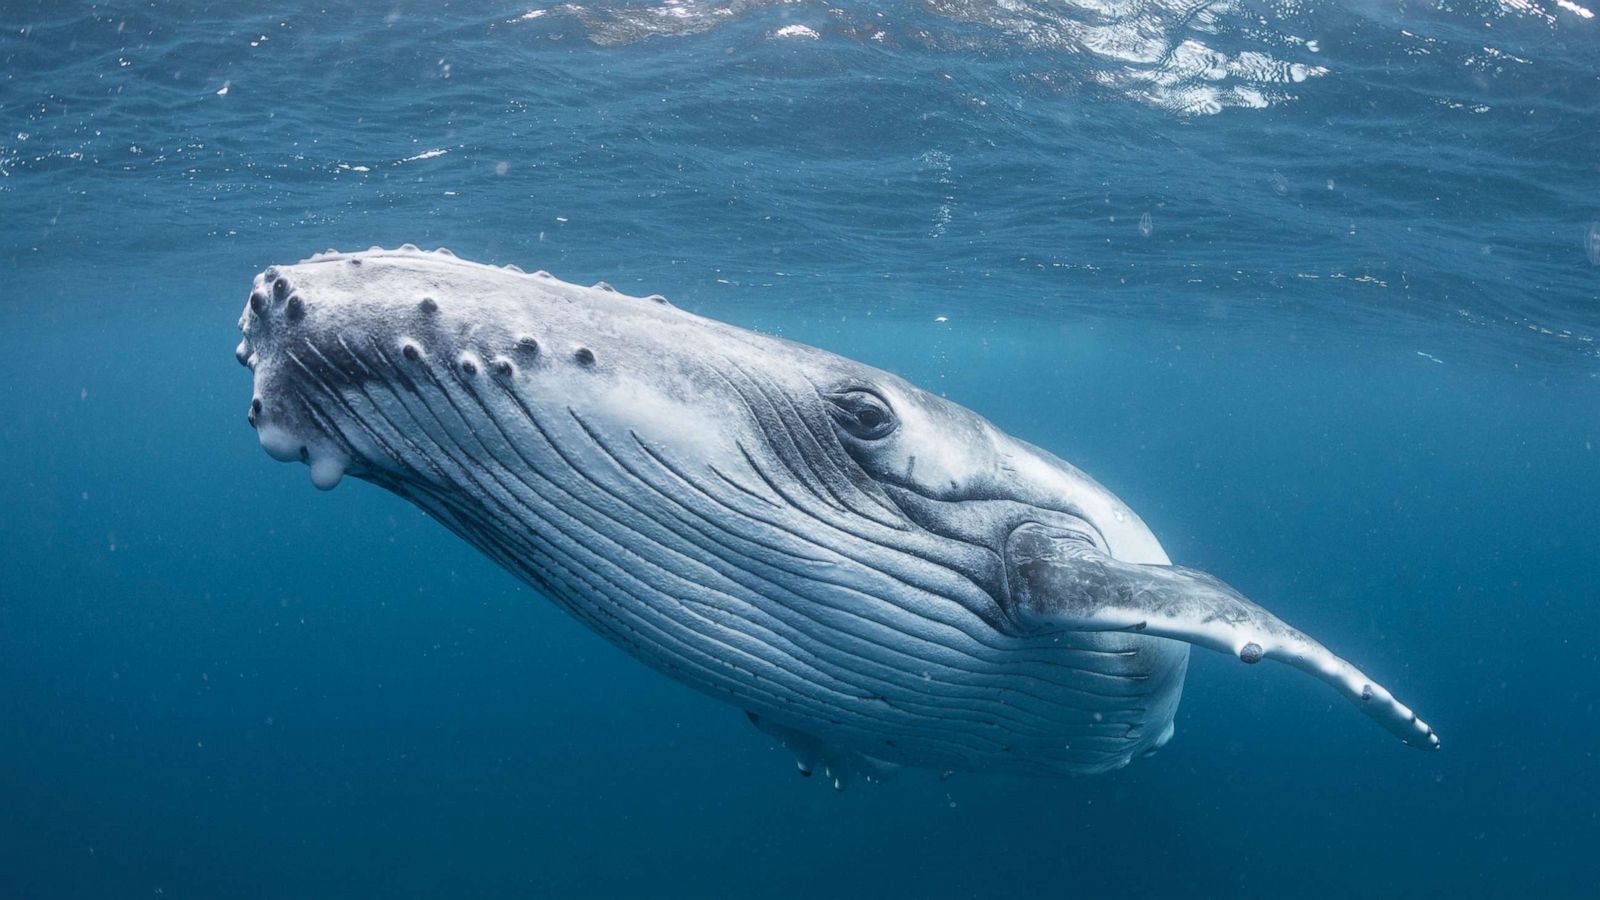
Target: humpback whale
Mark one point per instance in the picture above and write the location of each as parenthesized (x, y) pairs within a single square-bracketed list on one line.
[(877, 576)]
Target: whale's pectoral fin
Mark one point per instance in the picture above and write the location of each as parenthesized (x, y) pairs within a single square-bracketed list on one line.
[(1059, 579), (839, 765)]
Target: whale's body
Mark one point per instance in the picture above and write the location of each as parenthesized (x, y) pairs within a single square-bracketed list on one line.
[(876, 575)]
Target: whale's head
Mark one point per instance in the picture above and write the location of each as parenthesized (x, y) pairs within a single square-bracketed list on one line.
[(461, 385)]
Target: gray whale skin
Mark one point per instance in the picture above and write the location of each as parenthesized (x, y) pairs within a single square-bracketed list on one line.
[(877, 576)]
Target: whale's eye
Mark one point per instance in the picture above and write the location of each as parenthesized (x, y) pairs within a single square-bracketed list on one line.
[(862, 414)]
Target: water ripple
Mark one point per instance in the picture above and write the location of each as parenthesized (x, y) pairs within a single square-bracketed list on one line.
[(1275, 163)]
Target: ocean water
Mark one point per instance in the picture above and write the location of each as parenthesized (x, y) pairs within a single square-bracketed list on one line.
[(1314, 287)]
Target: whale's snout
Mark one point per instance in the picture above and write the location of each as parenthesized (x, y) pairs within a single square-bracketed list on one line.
[(316, 336), (288, 357), (374, 363)]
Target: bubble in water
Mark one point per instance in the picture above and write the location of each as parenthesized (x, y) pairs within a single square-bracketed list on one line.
[(1146, 225)]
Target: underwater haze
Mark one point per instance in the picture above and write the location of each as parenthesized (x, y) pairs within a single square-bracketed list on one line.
[(1314, 287)]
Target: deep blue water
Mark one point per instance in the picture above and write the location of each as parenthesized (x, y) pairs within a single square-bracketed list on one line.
[(1315, 288)]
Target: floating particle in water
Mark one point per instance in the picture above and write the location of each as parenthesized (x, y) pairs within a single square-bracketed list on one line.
[(1591, 243), (1146, 225)]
